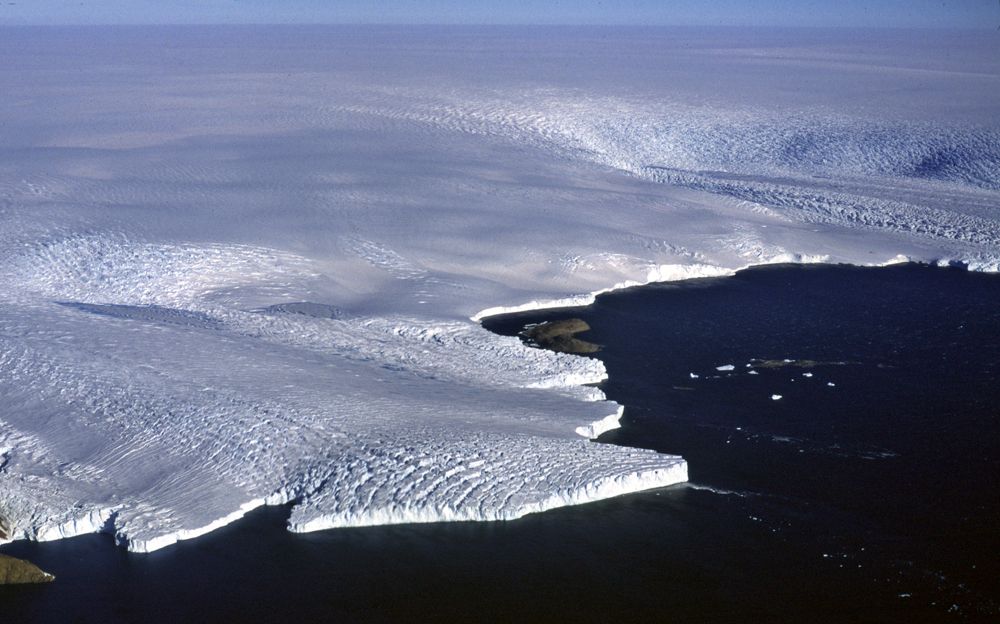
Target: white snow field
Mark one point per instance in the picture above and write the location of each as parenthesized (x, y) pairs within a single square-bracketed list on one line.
[(240, 266)]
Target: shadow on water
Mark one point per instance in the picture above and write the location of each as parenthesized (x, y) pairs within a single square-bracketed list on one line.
[(872, 499)]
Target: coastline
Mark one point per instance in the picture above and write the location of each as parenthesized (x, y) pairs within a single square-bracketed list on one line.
[(99, 522), (817, 545)]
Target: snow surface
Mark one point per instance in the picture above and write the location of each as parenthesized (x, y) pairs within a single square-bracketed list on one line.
[(240, 266)]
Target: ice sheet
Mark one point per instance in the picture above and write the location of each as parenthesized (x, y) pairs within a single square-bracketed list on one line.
[(238, 266)]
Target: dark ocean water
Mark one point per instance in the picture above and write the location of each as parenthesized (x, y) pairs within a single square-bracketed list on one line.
[(875, 499)]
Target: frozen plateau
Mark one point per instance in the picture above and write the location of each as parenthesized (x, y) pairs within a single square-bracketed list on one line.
[(243, 265)]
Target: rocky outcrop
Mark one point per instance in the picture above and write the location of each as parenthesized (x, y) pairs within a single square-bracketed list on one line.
[(16, 571), (559, 336)]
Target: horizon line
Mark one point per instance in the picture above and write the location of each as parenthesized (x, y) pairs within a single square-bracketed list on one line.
[(505, 25)]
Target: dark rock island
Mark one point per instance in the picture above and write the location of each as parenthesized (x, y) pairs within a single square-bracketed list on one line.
[(560, 336)]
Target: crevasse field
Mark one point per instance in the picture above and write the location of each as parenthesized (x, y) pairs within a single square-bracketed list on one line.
[(242, 266)]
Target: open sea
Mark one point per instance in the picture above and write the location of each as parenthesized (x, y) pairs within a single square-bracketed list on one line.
[(868, 492)]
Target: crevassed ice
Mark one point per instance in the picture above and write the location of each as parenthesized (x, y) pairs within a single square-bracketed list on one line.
[(211, 302)]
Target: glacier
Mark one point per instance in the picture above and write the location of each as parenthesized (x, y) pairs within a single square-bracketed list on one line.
[(243, 266)]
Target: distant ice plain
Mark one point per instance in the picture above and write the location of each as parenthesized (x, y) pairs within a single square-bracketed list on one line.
[(240, 265)]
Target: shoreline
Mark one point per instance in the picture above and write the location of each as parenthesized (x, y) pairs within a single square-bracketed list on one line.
[(672, 273), (778, 545), (680, 272)]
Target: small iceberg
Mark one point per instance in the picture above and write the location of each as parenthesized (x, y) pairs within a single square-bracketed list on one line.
[(775, 397), (725, 367)]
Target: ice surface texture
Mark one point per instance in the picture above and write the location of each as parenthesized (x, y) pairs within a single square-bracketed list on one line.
[(238, 265)]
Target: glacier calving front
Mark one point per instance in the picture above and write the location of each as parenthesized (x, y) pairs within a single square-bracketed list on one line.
[(238, 265)]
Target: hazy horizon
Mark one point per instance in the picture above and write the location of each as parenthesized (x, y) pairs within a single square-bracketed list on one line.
[(975, 14)]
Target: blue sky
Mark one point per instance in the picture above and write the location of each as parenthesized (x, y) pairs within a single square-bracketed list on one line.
[(903, 13)]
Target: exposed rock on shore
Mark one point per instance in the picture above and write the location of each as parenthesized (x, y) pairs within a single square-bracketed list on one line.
[(17, 571), (559, 336)]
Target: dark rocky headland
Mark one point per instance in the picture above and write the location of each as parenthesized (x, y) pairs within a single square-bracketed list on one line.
[(17, 571)]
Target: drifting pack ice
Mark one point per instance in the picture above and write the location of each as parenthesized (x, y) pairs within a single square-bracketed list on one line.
[(243, 266)]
